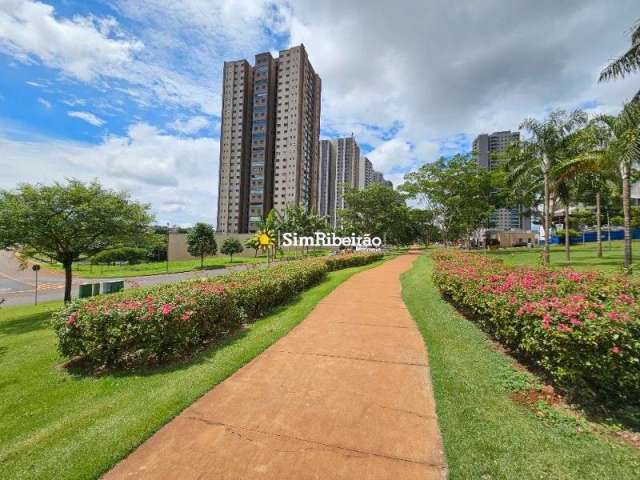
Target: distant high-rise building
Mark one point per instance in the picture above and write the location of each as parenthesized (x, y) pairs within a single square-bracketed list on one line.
[(365, 175), (347, 166), (235, 142), (327, 180), (269, 145), (486, 148)]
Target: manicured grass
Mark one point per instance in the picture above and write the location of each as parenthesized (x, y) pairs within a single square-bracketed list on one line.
[(583, 257), (487, 435), (58, 425), (86, 270)]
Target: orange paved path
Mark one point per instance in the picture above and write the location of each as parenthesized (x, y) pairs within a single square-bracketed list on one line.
[(345, 395)]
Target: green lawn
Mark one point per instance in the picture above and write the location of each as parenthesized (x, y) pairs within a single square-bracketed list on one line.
[(57, 425), (486, 434), (87, 270), (583, 257)]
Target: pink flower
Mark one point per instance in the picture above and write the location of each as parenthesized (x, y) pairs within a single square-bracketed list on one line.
[(186, 316), (546, 321), (166, 309), (71, 320), (615, 349), (563, 328)]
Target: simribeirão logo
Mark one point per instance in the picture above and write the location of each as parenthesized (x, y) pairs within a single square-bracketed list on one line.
[(321, 239)]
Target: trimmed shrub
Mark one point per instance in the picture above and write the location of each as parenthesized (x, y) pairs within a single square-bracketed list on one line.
[(582, 329), (131, 255), (348, 260), (158, 324)]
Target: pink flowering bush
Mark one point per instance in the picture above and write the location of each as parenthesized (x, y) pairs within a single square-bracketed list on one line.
[(154, 325), (583, 329)]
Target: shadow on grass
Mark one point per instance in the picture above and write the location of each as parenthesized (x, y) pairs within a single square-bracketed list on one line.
[(25, 324)]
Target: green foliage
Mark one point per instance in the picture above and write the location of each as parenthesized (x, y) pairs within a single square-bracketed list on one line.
[(253, 243), (67, 221), (131, 255), (201, 241), (231, 246), (339, 262), (162, 323), (582, 329), (460, 192), (379, 211)]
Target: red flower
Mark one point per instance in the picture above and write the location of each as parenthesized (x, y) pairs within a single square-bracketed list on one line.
[(166, 309), (71, 320), (615, 349)]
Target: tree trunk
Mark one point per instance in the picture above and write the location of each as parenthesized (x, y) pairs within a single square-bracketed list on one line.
[(626, 206), (202, 260), (547, 227), (231, 258), (567, 237), (68, 279), (598, 224)]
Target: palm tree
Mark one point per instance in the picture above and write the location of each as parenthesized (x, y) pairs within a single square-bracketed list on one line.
[(627, 63), (531, 165), (624, 147), (593, 165)]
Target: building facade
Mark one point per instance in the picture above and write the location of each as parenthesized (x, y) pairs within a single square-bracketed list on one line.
[(365, 175), (347, 171), (235, 142), (270, 138), (486, 148), (327, 180)]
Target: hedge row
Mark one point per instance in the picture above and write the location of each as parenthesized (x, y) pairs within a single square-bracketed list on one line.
[(157, 324), (582, 329)]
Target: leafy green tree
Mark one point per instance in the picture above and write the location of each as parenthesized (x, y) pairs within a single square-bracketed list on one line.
[(379, 211), (252, 242), (626, 63), (459, 192), (530, 164), (67, 221), (230, 246), (201, 241)]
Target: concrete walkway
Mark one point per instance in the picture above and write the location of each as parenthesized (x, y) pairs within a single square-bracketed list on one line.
[(345, 395)]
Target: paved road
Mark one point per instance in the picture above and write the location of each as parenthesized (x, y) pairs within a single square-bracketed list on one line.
[(346, 395), (17, 285)]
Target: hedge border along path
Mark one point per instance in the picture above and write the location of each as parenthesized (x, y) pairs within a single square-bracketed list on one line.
[(160, 324), (582, 329), (345, 395)]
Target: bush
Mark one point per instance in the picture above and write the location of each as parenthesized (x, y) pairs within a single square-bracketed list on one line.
[(231, 246), (357, 259), (582, 329), (131, 255), (157, 324)]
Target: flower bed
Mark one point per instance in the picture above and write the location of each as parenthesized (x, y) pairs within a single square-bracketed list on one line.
[(583, 329), (157, 324)]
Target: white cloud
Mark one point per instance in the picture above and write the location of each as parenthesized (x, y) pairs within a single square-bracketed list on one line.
[(35, 84), (176, 175), (87, 117), (45, 103), (190, 126), (82, 47)]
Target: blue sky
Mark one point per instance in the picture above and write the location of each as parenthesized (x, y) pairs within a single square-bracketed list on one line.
[(128, 91)]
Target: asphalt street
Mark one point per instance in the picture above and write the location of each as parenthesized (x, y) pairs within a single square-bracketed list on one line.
[(18, 285)]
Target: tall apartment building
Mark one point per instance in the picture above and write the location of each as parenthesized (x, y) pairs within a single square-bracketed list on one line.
[(486, 149), (270, 148), (235, 140), (327, 179), (347, 170), (365, 176)]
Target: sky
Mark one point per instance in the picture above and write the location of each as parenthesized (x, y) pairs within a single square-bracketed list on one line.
[(128, 92)]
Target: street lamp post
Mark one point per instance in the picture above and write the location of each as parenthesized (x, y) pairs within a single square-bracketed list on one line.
[(36, 268)]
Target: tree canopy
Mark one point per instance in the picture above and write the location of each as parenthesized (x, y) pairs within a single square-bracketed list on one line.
[(201, 241), (65, 221)]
